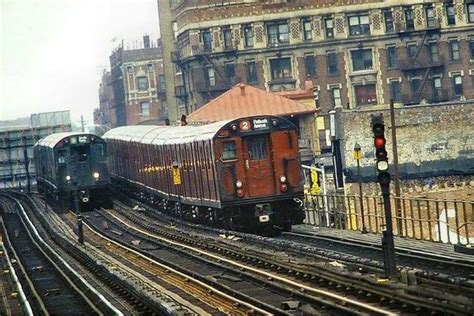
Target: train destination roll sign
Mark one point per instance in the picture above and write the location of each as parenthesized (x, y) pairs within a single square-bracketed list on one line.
[(259, 124)]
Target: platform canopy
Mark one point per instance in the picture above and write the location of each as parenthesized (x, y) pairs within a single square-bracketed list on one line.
[(244, 100)]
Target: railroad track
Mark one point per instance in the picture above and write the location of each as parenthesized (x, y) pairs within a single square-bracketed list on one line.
[(52, 286), (119, 283), (408, 297), (13, 299), (185, 287), (305, 286)]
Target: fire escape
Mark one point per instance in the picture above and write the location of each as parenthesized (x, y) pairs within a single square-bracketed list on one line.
[(423, 66), (222, 81)]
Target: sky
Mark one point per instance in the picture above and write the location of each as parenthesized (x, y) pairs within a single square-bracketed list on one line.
[(53, 52)]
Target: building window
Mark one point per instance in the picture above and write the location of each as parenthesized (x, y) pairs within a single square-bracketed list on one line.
[(359, 25), (142, 83), (365, 94), (471, 47), (278, 33), (470, 13), (248, 36), (332, 63), (206, 40), (457, 81), (280, 68), (409, 19), (388, 21), (454, 50), (434, 53), (162, 81), (307, 29), (392, 57), (395, 90), (310, 65), (437, 88), (430, 17), (451, 14), (336, 96), (415, 84), (329, 27), (211, 77), (361, 59), (227, 34), (230, 73), (412, 51), (145, 108), (251, 72)]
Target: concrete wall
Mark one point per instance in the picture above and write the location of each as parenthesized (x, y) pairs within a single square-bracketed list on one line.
[(433, 140)]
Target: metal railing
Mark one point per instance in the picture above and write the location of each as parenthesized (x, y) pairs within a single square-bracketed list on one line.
[(446, 221)]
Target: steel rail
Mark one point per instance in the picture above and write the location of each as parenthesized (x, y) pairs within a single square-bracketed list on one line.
[(32, 231), (184, 276), (306, 288), (24, 301)]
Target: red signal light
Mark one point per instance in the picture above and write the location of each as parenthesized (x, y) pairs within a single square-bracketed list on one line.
[(379, 142)]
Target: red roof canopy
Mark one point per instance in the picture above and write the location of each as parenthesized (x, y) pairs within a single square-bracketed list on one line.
[(243, 100)]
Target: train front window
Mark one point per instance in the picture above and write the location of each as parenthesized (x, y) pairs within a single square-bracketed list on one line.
[(229, 151), (257, 147), (79, 153)]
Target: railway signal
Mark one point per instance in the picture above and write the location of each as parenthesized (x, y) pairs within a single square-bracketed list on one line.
[(388, 246)]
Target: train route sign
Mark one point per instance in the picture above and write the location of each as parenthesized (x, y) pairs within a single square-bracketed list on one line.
[(176, 176)]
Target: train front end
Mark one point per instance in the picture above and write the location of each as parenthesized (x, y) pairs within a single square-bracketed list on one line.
[(260, 172)]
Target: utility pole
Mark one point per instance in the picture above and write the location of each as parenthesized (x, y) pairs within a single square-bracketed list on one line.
[(27, 162), (388, 245), (396, 169), (82, 123)]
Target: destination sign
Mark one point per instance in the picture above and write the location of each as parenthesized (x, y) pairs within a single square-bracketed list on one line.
[(260, 124)]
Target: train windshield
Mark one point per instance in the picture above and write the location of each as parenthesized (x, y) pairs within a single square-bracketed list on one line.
[(257, 147), (79, 153)]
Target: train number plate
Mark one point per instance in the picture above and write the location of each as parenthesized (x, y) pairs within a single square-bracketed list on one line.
[(264, 218)]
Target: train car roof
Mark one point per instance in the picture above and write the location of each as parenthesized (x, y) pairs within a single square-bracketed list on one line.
[(53, 139), (152, 134)]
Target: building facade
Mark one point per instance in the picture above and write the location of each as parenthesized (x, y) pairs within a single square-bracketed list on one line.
[(134, 90), (357, 53)]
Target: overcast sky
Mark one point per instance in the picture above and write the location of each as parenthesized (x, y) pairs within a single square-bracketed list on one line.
[(53, 52)]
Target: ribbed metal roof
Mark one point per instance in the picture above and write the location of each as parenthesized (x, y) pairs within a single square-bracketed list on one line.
[(152, 134), (53, 139), (243, 101)]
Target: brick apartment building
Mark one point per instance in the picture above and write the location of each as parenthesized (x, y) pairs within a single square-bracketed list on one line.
[(133, 90), (357, 53)]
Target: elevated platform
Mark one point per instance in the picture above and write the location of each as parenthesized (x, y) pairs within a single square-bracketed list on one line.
[(412, 246)]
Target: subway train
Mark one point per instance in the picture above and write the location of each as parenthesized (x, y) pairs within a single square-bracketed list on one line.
[(71, 169), (241, 174)]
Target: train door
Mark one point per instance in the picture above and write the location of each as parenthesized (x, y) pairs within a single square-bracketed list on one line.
[(81, 164), (258, 165)]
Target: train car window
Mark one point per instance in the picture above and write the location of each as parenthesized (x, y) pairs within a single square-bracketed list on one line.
[(257, 147), (62, 156), (79, 153), (229, 151)]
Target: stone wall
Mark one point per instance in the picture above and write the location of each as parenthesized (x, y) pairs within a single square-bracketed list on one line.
[(433, 140)]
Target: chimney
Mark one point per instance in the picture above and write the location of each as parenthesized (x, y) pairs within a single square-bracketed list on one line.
[(146, 41), (242, 89)]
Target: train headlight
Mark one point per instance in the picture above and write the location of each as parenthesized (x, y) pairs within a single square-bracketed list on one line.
[(283, 179), (96, 175), (68, 178), (238, 184)]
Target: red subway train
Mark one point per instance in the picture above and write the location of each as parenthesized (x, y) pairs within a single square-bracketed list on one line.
[(242, 174)]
